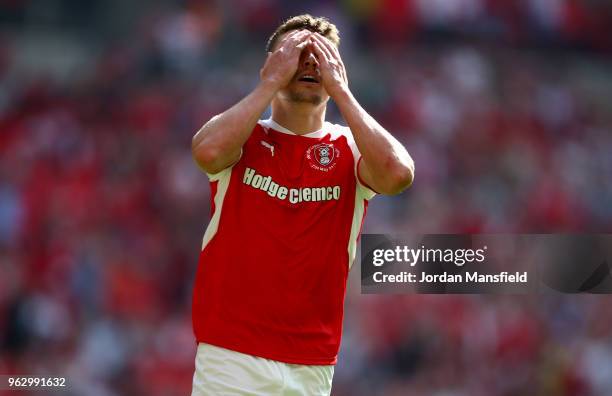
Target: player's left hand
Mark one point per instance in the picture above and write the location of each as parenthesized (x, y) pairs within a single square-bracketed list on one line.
[(333, 73)]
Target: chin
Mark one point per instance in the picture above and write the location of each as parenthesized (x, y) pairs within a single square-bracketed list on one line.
[(299, 94), (312, 99), (306, 96)]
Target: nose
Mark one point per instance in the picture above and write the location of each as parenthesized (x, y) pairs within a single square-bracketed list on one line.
[(309, 59)]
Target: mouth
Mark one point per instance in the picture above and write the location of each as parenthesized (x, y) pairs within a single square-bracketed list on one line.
[(309, 78)]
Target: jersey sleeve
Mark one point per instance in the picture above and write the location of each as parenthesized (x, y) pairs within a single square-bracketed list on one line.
[(364, 191), (219, 175), (222, 173)]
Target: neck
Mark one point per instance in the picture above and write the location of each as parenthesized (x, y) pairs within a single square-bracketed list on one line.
[(299, 118)]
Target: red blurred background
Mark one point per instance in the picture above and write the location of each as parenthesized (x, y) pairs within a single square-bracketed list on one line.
[(504, 105)]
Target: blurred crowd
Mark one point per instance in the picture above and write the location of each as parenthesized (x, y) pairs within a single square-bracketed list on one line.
[(505, 107)]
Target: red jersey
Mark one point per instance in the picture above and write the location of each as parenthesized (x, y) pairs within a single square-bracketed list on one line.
[(272, 272)]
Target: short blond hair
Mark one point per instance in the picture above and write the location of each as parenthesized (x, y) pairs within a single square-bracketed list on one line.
[(319, 25)]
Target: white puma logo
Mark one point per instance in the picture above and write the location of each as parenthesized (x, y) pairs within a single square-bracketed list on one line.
[(268, 145)]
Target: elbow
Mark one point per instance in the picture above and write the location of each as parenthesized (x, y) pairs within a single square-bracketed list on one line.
[(211, 153), (205, 155), (399, 178), (208, 151)]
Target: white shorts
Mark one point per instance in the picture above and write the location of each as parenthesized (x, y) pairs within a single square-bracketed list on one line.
[(220, 371)]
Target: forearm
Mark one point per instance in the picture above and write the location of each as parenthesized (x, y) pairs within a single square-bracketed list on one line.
[(389, 169), (218, 143)]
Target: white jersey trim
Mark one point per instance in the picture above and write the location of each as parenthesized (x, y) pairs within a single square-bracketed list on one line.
[(270, 123), (223, 179), (358, 214), (362, 193), (338, 130)]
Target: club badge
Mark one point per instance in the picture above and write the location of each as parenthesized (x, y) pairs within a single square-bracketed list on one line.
[(322, 156)]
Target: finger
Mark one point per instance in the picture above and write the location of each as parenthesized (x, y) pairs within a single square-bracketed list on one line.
[(286, 42), (332, 52), (283, 40), (326, 43), (327, 55), (295, 37), (296, 44), (331, 49), (292, 34), (302, 45), (320, 52)]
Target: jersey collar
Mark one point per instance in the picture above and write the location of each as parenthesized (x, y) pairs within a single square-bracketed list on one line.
[(270, 123)]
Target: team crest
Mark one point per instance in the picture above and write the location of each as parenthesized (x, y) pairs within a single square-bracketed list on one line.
[(322, 156)]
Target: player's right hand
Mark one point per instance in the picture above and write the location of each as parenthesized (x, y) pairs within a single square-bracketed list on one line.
[(282, 64)]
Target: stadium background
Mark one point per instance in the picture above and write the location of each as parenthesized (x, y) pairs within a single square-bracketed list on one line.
[(504, 105)]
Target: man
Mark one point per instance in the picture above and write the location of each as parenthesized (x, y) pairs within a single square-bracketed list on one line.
[(289, 197)]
